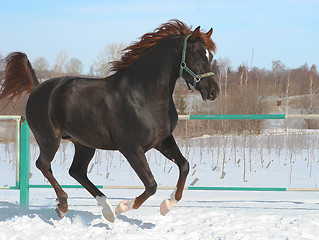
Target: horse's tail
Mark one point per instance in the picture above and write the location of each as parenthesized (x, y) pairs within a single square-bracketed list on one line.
[(19, 77)]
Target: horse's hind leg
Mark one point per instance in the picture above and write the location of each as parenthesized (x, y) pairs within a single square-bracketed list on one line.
[(138, 162), (169, 149), (48, 149), (78, 171)]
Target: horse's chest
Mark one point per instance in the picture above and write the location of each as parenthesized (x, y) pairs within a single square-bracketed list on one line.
[(161, 129)]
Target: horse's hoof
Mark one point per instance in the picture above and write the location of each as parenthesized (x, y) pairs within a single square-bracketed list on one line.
[(108, 214), (124, 206), (62, 205), (60, 213), (166, 206), (107, 210)]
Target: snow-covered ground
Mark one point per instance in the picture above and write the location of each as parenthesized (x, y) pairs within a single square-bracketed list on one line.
[(289, 160)]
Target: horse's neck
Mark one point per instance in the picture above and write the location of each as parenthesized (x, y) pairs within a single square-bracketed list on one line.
[(158, 68)]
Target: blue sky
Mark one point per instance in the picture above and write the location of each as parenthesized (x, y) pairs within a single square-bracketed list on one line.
[(275, 29)]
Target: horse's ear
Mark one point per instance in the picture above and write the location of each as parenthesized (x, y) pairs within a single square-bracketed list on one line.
[(195, 34), (209, 33)]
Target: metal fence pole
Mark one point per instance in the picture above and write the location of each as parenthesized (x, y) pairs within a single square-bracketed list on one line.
[(24, 164), (18, 127)]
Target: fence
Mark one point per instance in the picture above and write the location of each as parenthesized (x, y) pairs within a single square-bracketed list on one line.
[(23, 156)]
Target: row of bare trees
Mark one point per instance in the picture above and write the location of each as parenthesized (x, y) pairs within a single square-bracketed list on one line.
[(64, 65), (254, 90)]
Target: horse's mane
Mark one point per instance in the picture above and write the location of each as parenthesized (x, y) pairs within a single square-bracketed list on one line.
[(171, 28)]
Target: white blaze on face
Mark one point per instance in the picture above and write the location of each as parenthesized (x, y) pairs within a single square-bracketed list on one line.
[(207, 54)]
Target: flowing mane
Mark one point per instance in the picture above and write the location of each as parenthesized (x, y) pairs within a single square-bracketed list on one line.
[(171, 28)]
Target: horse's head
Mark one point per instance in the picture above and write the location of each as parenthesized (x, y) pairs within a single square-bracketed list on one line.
[(196, 67)]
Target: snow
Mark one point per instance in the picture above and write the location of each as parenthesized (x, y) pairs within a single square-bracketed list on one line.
[(281, 160), (200, 215)]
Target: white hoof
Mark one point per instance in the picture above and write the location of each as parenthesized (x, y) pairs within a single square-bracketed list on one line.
[(167, 205), (107, 210), (124, 206), (108, 214)]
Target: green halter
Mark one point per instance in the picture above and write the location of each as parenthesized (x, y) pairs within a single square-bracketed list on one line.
[(183, 67)]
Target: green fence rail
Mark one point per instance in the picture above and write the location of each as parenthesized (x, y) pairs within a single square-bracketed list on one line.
[(232, 117), (23, 156)]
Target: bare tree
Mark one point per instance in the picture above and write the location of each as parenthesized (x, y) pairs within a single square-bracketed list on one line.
[(74, 67), (279, 71), (41, 66), (225, 68), (60, 63), (111, 52), (243, 74), (227, 73)]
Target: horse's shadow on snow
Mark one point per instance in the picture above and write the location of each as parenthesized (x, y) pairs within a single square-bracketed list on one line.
[(9, 211), (137, 222)]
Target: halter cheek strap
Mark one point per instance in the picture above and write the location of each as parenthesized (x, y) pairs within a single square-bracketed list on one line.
[(183, 67)]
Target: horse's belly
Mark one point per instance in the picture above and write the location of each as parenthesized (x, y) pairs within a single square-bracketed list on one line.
[(92, 139)]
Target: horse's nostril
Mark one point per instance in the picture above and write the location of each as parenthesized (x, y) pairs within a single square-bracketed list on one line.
[(214, 94)]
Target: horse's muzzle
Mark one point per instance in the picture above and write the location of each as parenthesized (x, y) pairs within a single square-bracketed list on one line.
[(213, 94), (210, 95)]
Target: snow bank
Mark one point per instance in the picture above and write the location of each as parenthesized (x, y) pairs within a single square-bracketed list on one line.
[(200, 215)]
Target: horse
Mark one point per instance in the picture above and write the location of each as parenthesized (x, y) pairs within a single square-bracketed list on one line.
[(131, 111)]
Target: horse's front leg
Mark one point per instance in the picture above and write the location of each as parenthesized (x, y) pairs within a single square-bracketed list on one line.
[(169, 149), (78, 171), (138, 162)]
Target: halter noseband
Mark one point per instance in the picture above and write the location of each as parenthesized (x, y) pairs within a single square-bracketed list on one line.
[(183, 67)]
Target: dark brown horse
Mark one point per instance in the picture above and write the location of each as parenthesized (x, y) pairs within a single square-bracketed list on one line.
[(131, 111)]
